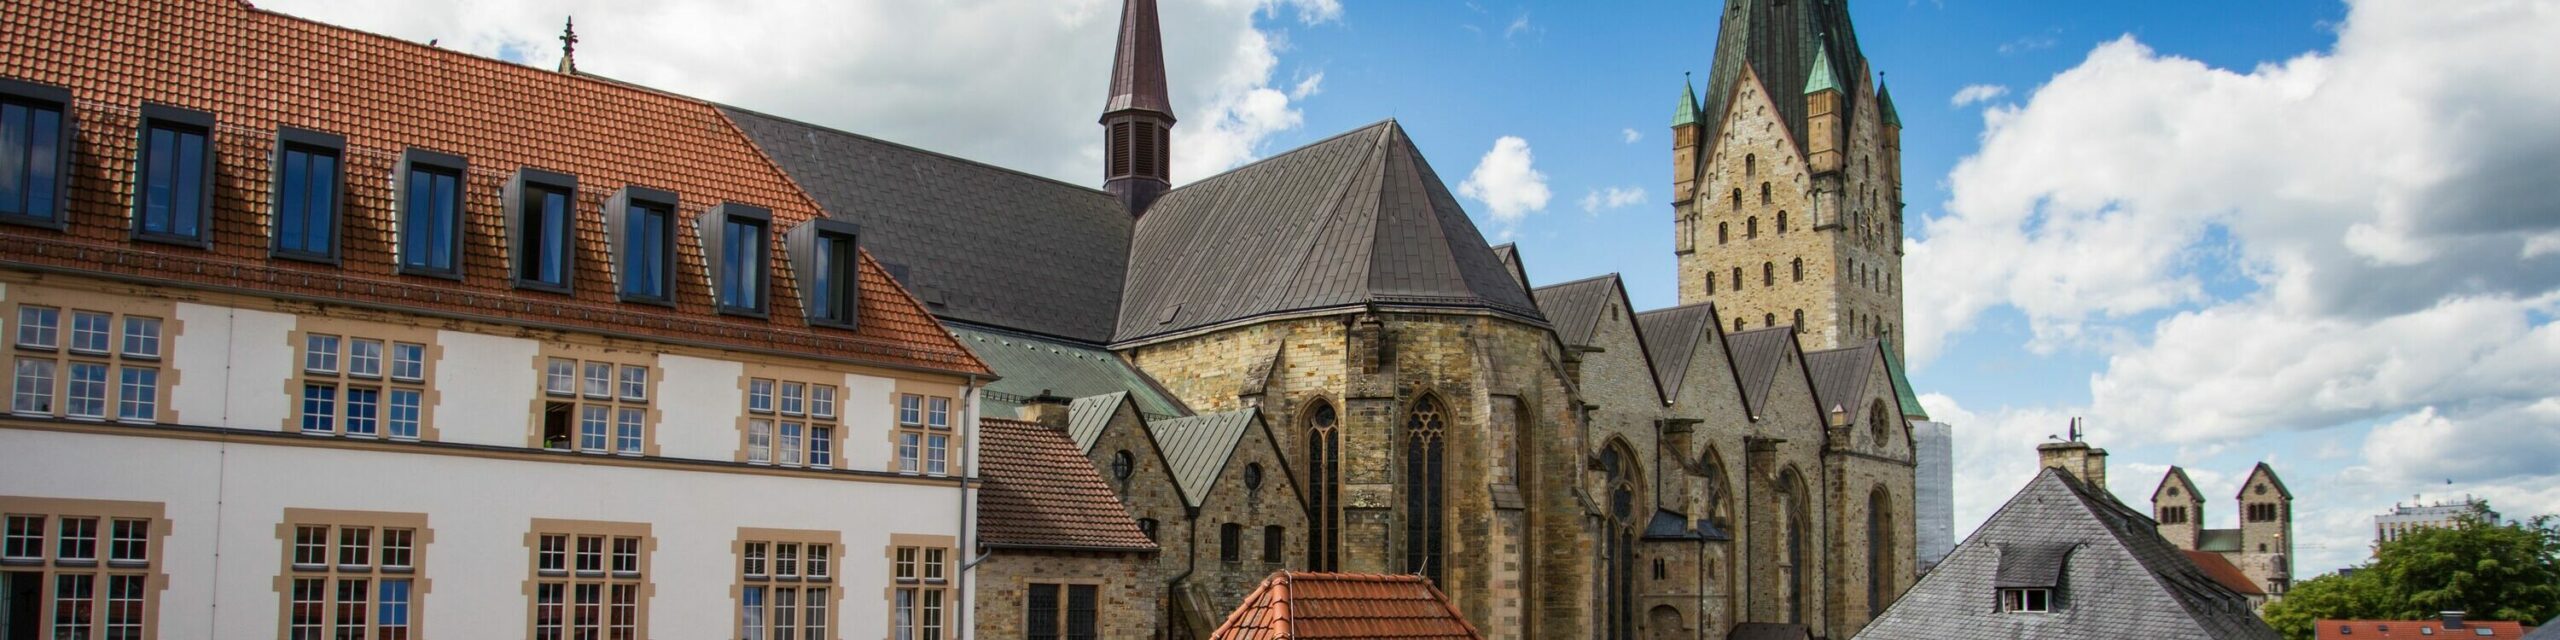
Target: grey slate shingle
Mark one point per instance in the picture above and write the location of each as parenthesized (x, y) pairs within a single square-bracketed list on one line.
[(1759, 355), (1672, 337), (1840, 376), (1575, 307)]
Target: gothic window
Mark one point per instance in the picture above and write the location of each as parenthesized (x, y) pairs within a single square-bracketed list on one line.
[(1711, 285), (1623, 523), (1324, 484), (1425, 515), (1798, 265), (1878, 420), (1768, 274), (1750, 165), (1737, 278), (1737, 199), (1723, 232), (1880, 569), (1764, 193), (1782, 222), (1791, 498), (1799, 321), (1751, 227)]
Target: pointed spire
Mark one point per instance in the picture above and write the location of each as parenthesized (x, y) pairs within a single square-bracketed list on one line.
[(1137, 68), (1688, 110), (1884, 102), (1821, 78), (569, 46)]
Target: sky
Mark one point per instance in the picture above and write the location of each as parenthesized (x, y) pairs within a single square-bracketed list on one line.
[(2312, 234)]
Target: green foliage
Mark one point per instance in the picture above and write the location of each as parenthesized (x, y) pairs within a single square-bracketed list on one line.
[(2487, 570)]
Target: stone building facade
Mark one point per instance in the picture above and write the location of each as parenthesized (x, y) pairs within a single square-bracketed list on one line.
[(2262, 546)]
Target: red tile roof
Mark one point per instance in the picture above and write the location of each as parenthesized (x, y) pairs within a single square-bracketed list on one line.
[(1304, 605), (257, 71), (2416, 630), (1042, 493), (2221, 570)]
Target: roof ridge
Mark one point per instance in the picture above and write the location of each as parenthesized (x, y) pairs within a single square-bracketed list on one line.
[(1604, 276)]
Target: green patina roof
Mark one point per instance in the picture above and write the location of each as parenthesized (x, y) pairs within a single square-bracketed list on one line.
[(1198, 447), (1884, 100), (1902, 380), (1031, 366), (2219, 540), (1688, 111), (1820, 79)]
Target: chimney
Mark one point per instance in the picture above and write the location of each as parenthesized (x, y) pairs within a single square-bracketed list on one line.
[(2076, 457), (1137, 121), (2453, 619), (1050, 410)]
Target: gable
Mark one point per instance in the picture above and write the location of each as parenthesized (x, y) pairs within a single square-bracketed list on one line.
[(1198, 448)]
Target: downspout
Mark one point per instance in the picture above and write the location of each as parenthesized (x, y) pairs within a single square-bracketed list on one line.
[(969, 434), (1191, 563)]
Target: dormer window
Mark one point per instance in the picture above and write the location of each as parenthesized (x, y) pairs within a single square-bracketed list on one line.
[(540, 225), (2026, 600), (736, 241), (642, 224), (308, 190), (430, 192), (173, 179), (823, 255), (35, 130)]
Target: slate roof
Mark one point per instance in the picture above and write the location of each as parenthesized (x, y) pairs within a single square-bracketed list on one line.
[(1840, 376), (1671, 338), (1779, 42), (1042, 493), (1030, 365), (1759, 355), (978, 243), (1509, 254), (1137, 70), (1088, 416), (1197, 448), (2218, 567), (1668, 525), (1354, 220), (2550, 630), (256, 71), (1313, 606), (2121, 579), (1575, 308)]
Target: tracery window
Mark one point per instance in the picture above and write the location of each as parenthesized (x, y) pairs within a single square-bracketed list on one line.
[(1324, 488), (1425, 513)]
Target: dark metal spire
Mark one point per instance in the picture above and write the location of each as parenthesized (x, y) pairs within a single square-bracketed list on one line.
[(1137, 122), (1137, 68)]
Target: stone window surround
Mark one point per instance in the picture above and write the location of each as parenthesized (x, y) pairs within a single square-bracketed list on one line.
[(810, 379), (946, 584), (898, 427), (349, 330), (53, 510), (583, 354), (1064, 584), (646, 583), (419, 584), (833, 582), (67, 301)]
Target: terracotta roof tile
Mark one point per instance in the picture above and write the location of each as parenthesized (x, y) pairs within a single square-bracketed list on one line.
[(257, 71), (1041, 492), (2222, 571), (2417, 630), (1308, 606)]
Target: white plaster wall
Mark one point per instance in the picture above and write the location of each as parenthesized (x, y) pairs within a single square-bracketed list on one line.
[(263, 357), (698, 405), (487, 385), (201, 352), (870, 413), (229, 498)]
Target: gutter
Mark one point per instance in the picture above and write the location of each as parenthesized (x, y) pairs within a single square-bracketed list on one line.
[(968, 431)]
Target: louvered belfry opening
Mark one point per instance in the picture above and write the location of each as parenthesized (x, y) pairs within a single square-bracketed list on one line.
[(1138, 119)]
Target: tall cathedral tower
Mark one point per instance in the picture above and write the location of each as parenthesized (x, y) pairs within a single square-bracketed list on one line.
[(1787, 179)]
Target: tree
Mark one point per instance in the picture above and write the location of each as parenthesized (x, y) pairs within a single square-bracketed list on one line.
[(2487, 570)]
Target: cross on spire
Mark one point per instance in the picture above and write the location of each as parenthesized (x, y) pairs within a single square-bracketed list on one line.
[(569, 46)]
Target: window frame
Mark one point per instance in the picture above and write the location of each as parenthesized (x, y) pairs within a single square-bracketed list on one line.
[(713, 227), (101, 571), (34, 95), (803, 241), (606, 580), (161, 116), (312, 142), (2023, 602), (527, 182), (416, 159), (618, 232)]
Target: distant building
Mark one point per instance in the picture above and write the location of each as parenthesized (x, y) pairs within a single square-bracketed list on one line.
[(2262, 546), (1933, 494), (2062, 560), (2411, 517), (2449, 626)]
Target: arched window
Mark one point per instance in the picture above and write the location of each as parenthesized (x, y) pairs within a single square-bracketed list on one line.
[(1798, 268), (1799, 321), (1768, 320), (1751, 227), (1737, 278), (1324, 487), (1782, 223), (1750, 164), (1425, 514), (1737, 199), (1764, 193), (1881, 574), (1791, 502), (1711, 285), (1878, 423), (1768, 274), (1122, 464), (1684, 235), (1737, 324), (1617, 463), (1724, 232)]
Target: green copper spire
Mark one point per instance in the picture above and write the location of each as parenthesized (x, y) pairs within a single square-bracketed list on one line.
[(1688, 113), (1821, 79), (1884, 99), (1901, 380)]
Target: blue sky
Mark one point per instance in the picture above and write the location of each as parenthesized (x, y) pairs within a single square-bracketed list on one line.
[(2301, 232)]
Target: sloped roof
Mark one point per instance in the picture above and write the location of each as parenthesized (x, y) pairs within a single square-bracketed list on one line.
[(1687, 112), (1197, 448), (2178, 476), (1031, 365), (2220, 569), (2272, 478), (2426, 630), (1884, 103), (1303, 605), (1575, 308), (978, 243), (1758, 357), (2121, 581), (1088, 416), (1357, 219), (1137, 68), (1671, 338), (2218, 540), (1509, 254), (256, 71), (1902, 388), (1042, 493), (1840, 376), (1780, 41), (2550, 630)]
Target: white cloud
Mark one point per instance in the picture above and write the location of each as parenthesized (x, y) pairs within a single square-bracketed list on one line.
[(1598, 200), (1507, 182), (1633, 137), (1973, 93), (1307, 86), (1013, 82)]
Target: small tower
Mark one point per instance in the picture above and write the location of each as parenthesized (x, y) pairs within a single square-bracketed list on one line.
[(1892, 149), (2266, 530), (1137, 121), (1686, 128), (1822, 96), (2179, 509)]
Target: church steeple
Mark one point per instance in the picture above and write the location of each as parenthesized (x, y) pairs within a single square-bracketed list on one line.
[(1137, 121)]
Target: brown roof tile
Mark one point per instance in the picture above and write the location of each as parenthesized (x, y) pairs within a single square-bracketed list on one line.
[(1306, 605), (1042, 493), (2222, 571), (258, 71), (2417, 630)]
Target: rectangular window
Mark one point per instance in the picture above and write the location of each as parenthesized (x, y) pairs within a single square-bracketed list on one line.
[(141, 337), (822, 401), (34, 138), (939, 415), (592, 428), (794, 398), (599, 380), (910, 451), (430, 201), (355, 548), (635, 383), (593, 603), (87, 390), (1272, 539), (364, 408), (398, 548), (124, 607), (366, 591), (319, 409), (408, 361), (307, 192), (937, 453), (818, 561), (910, 409), (918, 599), (24, 539), (129, 541), (60, 586), (76, 541), (309, 617), (38, 326), (2026, 600), (760, 395), (933, 560), (741, 270), (627, 429), (320, 354), (173, 184), (31, 388), (824, 257), (822, 447), (71, 612), (139, 399), (364, 358), (790, 451), (543, 218), (644, 234), (594, 406), (393, 618), (759, 441), (560, 377), (404, 413), (89, 331), (311, 546), (1074, 618)]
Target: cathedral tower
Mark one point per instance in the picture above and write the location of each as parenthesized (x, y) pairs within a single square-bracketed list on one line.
[(1137, 122), (1787, 189), (2179, 509)]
